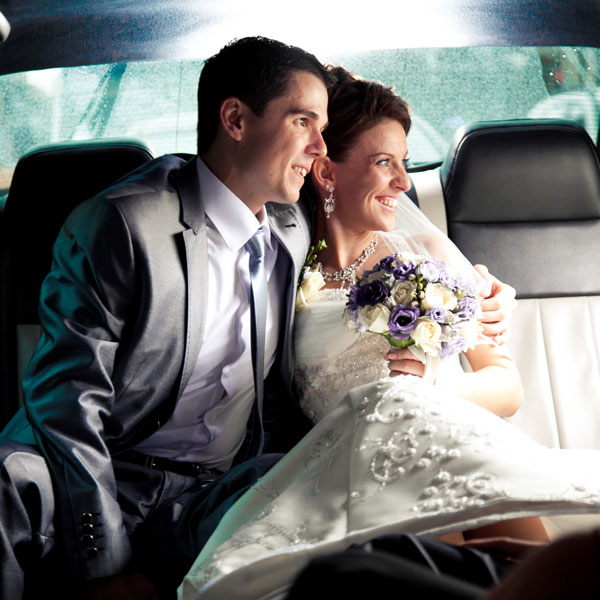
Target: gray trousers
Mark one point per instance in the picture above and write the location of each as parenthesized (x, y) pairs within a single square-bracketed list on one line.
[(168, 517)]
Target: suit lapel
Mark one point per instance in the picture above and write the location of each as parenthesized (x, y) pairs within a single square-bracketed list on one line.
[(196, 262), (290, 226)]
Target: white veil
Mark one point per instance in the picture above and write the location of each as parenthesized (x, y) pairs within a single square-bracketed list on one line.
[(415, 233)]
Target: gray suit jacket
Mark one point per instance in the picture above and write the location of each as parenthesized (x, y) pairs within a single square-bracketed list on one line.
[(123, 313)]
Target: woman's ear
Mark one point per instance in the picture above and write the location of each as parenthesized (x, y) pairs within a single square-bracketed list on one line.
[(323, 172), (231, 116)]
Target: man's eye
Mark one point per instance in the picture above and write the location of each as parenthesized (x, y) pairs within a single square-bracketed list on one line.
[(405, 162), (301, 121)]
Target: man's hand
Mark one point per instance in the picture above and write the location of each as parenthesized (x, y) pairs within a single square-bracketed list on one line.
[(133, 586), (403, 362), (498, 304)]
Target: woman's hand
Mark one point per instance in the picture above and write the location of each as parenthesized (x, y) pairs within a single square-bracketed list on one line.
[(498, 304), (403, 362)]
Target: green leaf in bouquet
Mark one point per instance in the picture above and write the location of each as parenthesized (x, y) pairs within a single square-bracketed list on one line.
[(399, 343)]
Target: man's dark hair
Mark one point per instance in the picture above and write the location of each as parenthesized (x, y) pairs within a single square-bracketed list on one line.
[(253, 69)]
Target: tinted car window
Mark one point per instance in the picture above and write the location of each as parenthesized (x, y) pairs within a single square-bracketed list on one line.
[(156, 101)]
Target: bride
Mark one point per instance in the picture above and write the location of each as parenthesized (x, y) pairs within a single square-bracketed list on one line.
[(387, 453)]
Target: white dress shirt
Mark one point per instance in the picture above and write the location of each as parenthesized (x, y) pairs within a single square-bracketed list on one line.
[(210, 419)]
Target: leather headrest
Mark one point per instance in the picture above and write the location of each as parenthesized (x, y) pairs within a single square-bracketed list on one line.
[(496, 170)]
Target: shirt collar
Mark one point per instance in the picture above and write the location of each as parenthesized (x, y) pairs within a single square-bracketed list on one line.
[(234, 221)]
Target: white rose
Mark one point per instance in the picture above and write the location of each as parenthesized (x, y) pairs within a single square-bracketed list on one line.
[(374, 318), (437, 294), (403, 292), (427, 336), (470, 332), (374, 277), (411, 256), (312, 283)]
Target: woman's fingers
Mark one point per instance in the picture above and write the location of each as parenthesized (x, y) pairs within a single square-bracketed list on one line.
[(403, 362)]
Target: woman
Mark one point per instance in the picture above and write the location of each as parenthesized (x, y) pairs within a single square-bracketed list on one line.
[(360, 185), (386, 454), (365, 168)]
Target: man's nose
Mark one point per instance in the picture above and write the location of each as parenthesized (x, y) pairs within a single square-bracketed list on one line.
[(318, 147)]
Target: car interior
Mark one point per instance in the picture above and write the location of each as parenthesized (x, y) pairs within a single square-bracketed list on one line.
[(515, 185)]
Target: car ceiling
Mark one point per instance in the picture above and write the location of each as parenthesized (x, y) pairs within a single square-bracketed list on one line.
[(55, 33)]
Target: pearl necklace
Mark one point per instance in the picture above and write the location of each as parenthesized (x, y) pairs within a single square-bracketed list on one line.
[(347, 275)]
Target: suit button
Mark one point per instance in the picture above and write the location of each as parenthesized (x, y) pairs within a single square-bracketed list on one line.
[(87, 528), (91, 553), (87, 517), (88, 540)]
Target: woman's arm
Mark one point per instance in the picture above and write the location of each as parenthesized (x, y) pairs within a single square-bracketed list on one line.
[(494, 384)]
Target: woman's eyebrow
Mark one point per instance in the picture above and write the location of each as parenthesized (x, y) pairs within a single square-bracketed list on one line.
[(380, 153)]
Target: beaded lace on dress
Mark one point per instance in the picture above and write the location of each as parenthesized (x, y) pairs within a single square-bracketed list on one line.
[(330, 360)]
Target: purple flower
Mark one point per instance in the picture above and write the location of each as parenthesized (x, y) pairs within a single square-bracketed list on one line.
[(387, 262), (371, 293), (468, 289), (447, 279), (437, 313), (402, 321), (454, 347), (468, 308), (404, 269), (430, 270)]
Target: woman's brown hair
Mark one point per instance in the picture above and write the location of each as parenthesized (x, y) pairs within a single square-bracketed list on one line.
[(356, 105)]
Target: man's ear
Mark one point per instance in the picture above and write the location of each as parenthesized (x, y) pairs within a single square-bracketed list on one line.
[(231, 116), (323, 172)]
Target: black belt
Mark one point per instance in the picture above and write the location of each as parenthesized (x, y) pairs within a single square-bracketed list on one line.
[(166, 464)]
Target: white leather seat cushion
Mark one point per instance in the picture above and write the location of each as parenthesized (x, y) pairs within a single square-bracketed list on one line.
[(555, 345)]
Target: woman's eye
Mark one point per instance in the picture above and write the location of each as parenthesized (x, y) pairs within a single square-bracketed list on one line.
[(384, 162)]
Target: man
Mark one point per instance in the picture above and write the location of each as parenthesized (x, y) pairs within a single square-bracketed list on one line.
[(146, 324), (142, 385)]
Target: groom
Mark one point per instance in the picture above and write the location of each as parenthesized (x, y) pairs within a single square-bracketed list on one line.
[(142, 382), (142, 385)]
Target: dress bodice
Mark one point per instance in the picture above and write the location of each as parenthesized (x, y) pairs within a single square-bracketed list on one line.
[(331, 359)]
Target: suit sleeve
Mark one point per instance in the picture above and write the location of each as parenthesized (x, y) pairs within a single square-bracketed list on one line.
[(85, 303)]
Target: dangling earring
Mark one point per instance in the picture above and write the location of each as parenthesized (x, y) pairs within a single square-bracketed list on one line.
[(329, 203)]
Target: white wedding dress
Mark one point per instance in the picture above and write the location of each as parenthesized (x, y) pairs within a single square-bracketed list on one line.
[(392, 455)]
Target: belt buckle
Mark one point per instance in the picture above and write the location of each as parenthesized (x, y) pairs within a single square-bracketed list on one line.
[(150, 462)]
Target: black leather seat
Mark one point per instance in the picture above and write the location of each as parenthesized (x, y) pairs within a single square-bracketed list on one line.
[(47, 184), (523, 197)]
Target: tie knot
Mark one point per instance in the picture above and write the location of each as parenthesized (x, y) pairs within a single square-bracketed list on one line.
[(256, 244)]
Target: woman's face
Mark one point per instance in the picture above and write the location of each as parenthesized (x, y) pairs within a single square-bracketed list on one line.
[(371, 177)]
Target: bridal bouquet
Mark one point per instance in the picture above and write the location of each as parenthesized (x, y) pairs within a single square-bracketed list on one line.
[(416, 301)]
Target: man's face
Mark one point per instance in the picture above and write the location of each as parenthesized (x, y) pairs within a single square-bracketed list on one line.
[(281, 145)]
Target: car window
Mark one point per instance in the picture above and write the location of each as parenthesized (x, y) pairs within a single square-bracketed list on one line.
[(156, 101), (447, 87)]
